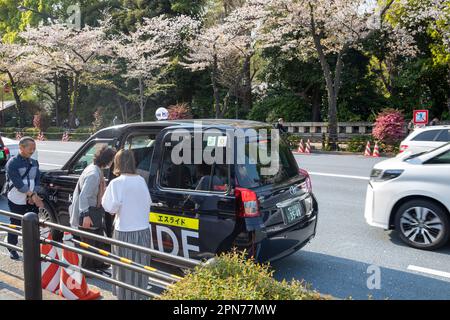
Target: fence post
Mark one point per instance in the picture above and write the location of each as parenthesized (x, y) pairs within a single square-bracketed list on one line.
[(31, 256)]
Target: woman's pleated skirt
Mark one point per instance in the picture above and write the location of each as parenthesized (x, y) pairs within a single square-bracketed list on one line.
[(140, 238)]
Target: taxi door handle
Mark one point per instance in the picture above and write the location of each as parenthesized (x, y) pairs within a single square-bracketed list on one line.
[(157, 204)]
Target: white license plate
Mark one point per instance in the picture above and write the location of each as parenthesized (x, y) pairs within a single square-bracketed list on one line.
[(292, 213)]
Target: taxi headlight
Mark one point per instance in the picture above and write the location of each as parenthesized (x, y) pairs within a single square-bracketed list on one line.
[(380, 175)]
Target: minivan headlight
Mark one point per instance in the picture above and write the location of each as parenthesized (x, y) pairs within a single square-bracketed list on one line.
[(380, 175)]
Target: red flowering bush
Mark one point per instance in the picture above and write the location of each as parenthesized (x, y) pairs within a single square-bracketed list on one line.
[(179, 111), (388, 127)]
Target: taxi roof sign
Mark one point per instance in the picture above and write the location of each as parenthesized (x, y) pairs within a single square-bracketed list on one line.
[(420, 116), (162, 114)]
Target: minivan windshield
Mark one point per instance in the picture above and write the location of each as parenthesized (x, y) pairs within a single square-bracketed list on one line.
[(251, 174)]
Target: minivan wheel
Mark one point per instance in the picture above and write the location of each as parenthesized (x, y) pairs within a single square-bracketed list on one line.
[(422, 224)]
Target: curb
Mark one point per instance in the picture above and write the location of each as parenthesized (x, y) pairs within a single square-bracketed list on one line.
[(347, 153)]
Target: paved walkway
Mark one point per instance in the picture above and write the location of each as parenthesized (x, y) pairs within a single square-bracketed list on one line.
[(11, 288)]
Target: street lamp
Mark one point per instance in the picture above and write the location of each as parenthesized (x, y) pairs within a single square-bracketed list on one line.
[(45, 15)]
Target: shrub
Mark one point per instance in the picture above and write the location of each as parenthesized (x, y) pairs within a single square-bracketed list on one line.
[(358, 143), (179, 111), (233, 276), (388, 127), (32, 132)]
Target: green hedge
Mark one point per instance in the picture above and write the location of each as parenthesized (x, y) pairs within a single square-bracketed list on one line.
[(234, 277), (52, 133)]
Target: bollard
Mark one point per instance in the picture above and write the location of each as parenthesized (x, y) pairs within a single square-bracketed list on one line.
[(31, 256)]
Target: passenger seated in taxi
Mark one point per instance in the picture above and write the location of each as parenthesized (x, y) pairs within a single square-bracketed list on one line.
[(207, 182)]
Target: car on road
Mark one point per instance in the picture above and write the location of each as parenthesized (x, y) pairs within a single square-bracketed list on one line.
[(410, 194), (425, 139), (4, 156), (8, 149), (200, 209)]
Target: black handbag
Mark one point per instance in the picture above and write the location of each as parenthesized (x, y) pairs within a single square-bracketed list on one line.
[(97, 215)]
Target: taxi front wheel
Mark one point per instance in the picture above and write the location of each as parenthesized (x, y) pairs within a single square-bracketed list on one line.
[(422, 224), (46, 213)]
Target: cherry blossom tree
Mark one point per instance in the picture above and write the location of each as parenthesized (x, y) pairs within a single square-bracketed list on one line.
[(20, 73), (206, 51), (226, 49), (147, 50), (327, 30), (76, 53)]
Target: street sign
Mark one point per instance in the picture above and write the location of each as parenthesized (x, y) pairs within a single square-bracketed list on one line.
[(162, 114), (420, 116)]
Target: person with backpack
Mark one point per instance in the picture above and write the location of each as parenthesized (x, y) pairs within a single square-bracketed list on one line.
[(22, 183)]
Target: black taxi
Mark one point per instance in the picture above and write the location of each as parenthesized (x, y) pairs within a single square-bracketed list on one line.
[(212, 183)]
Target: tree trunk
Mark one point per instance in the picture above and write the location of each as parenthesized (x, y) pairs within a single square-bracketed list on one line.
[(19, 107), (64, 95), (56, 101), (215, 87), (247, 99), (74, 100), (141, 98)]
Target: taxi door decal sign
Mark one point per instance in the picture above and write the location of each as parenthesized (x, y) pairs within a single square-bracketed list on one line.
[(182, 240), (175, 221)]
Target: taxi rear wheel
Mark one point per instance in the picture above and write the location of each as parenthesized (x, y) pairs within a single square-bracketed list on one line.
[(423, 224)]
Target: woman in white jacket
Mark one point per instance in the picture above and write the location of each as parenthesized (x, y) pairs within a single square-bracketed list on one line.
[(128, 197)]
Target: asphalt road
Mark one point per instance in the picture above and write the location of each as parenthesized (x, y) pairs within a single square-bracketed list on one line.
[(346, 251)]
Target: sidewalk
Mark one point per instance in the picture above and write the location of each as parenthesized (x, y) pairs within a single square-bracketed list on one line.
[(12, 288)]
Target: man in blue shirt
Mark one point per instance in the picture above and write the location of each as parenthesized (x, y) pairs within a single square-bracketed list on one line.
[(23, 179)]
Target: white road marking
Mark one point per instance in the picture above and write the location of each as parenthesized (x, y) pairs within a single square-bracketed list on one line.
[(429, 271), (50, 164), (338, 175), (54, 151)]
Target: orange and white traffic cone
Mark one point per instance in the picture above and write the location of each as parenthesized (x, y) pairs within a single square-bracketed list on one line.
[(368, 152), (51, 273), (65, 136), (376, 151), (73, 285), (308, 147), (41, 136), (301, 148), (18, 135)]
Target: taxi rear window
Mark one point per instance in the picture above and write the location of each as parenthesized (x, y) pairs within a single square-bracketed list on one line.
[(251, 175)]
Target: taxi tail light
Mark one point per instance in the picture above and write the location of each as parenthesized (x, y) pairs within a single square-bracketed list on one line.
[(307, 185), (403, 148), (247, 203)]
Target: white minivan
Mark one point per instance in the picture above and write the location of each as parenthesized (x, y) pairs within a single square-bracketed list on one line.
[(410, 194), (425, 139)]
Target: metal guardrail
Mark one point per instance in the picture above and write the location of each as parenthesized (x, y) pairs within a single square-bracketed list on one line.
[(32, 256)]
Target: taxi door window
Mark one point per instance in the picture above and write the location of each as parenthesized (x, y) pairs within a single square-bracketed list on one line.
[(190, 176), (87, 157), (142, 146)]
